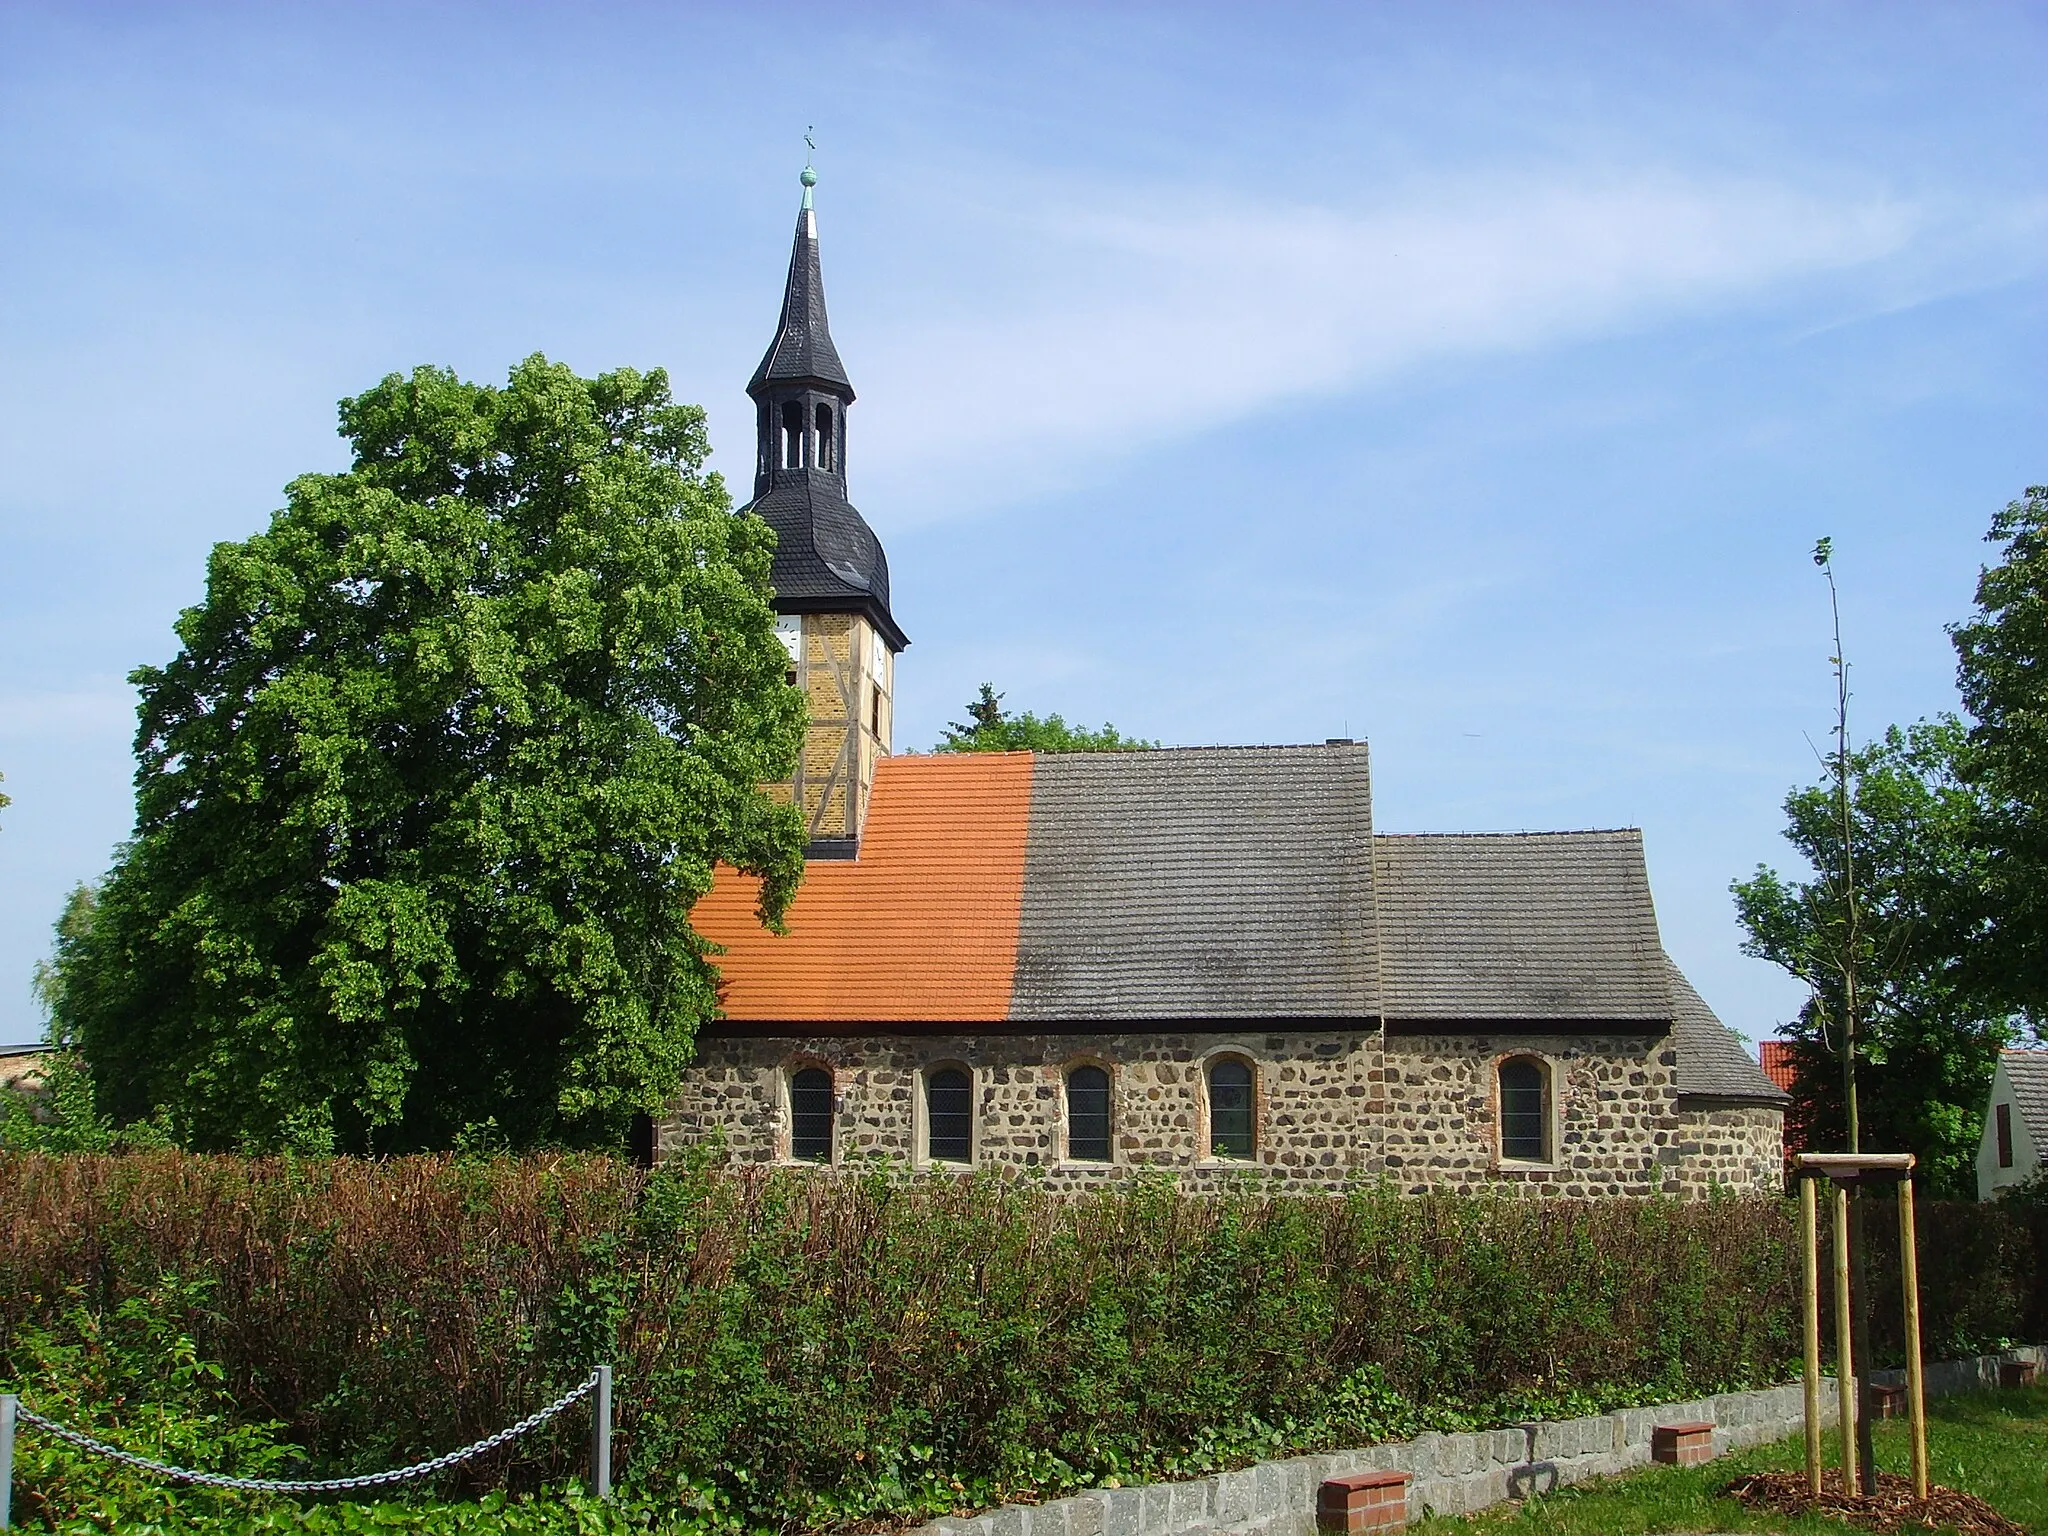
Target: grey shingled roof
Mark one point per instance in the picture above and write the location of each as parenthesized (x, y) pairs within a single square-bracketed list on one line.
[(802, 348), (1518, 926), (827, 559), (1198, 883), (1712, 1060), (2027, 1071)]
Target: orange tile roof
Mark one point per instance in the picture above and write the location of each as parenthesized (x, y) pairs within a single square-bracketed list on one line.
[(1777, 1063), (922, 927)]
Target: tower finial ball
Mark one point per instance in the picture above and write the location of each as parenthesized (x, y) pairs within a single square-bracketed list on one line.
[(809, 178)]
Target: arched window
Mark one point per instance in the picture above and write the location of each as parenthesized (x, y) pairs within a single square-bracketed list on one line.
[(1230, 1108), (810, 1115), (792, 435), (1524, 1110), (1088, 1115), (827, 459), (949, 1116)]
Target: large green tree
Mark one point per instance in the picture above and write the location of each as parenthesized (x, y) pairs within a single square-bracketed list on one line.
[(989, 728), (1931, 1021), (2002, 654), (425, 797)]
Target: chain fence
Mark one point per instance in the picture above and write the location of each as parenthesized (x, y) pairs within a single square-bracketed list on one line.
[(597, 1384)]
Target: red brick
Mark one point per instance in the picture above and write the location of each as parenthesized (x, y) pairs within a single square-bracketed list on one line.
[(1888, 1402), (1685, 1445), (2017, 1373), (1360, 1503)]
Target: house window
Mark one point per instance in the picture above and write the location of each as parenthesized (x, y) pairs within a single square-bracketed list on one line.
[(1524, 1111), (1088, 1115), (875, 711), (2005, 1135), (949, 1116), (1230, 1108), (810, 1115)]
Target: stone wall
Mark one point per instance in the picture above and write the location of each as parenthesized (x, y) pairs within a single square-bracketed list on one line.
[(1453, 1474), (1323, 1115), (1738, 1149), (1613, 1113), (1316, 1100)]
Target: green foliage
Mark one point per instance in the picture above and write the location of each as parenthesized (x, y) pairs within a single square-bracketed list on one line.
[(425, 797), (799, 1352), (2002, 654), (133, 1377), (1933, 1020), (989, 729)]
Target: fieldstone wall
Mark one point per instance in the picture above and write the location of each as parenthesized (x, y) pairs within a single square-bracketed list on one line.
[(1317, 1100), (1453, 1474), (1740, 1150), (1614, 1112), (1330, 1107)]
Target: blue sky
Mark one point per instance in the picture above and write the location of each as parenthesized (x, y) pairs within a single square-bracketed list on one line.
[(1470, 378)]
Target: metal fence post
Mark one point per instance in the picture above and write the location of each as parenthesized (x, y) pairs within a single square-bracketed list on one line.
[(8, 1403), (601, 1435)]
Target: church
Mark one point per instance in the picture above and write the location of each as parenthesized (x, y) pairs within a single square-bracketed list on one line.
[(1203, 961)]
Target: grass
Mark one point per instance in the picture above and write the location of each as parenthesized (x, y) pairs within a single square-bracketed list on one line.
[(1992, 1444)]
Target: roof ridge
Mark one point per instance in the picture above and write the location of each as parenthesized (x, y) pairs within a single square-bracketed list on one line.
[(1524, 832)]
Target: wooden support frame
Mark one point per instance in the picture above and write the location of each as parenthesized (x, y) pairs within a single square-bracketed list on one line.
[(1843, 1170)]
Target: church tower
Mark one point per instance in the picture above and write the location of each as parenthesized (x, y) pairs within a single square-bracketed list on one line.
[(831, 578)]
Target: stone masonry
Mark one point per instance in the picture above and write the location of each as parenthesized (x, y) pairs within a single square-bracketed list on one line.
[(1322, 1112)]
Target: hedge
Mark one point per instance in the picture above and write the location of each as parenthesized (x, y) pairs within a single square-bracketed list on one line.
[(800, 1351)]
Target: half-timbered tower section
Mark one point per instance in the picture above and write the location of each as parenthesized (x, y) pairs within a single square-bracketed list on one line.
[(831, 577), (1203, 960)]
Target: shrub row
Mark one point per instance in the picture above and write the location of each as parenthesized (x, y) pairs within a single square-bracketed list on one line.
[(802, 1352)]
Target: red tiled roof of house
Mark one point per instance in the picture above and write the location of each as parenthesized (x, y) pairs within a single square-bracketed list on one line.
[(1777, 1063)]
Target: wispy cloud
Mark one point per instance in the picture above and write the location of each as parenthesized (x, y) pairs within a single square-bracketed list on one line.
[(1090, 323)]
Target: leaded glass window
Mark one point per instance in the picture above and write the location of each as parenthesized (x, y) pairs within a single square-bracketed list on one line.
[(1088, 1115), (1230, 1109), (1524, 1116), (810, 1115), (949, 1116)]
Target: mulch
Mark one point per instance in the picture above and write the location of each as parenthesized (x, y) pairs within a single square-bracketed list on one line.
[(1891, 1508)]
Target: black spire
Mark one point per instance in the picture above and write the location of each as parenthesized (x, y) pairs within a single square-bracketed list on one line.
[(827, 559), (802, 351)]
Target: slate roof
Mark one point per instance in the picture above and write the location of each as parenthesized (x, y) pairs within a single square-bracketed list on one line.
[(1712, 1060), (1203, 883), (1518, 926), (2027, 1071), (827, 559), (802, 349)]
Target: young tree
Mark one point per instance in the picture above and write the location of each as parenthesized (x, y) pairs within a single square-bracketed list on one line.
[(424, 799), (989, 729), (1931, 1026)]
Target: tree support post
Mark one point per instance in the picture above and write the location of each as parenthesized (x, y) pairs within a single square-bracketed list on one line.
[(1809, 1245), (8, 1403), (601, 1435), (1845, 1351), (1843, 1170), (1916, 1399)]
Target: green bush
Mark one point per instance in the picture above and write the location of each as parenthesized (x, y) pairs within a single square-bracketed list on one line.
[(797, 1351)]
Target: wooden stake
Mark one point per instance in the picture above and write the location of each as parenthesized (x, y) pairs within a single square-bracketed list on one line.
[(1916, 1401), (1845, 1355), (1809, 1248)]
